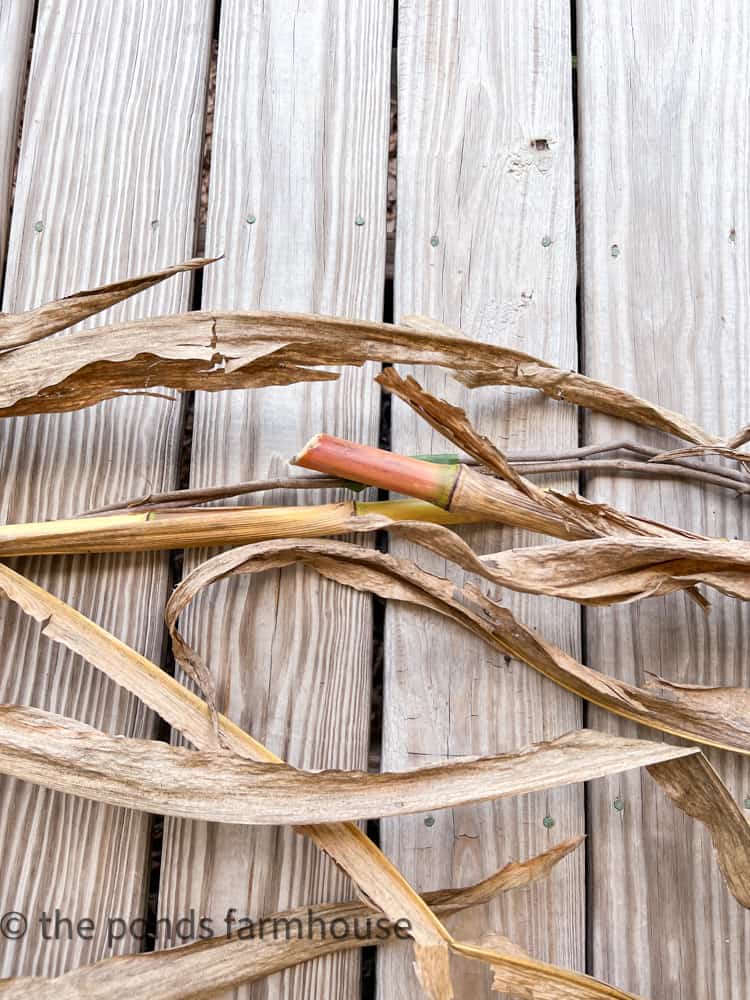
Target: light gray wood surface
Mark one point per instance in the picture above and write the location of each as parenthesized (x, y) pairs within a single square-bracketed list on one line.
[(16, 17), (485, 242), (664, 131), (299, 155), (107, 188)]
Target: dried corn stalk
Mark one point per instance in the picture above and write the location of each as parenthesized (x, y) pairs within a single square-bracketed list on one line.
[(204, 526), (596, 571)]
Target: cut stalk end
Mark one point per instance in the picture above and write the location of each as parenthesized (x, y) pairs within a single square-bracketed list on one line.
[(375, 467)]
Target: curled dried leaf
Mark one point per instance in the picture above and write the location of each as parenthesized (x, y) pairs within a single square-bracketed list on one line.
[(596, 571), (694, 718), (612, 570)]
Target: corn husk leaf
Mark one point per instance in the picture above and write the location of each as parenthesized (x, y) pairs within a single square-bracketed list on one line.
[(225, 962), (213, 351), (715, 718), (222, 787), (17, 329)]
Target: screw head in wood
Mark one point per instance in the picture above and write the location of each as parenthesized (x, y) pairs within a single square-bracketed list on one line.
[(359, 221), (434, 241), (619, 804), (546, 241), (746, 803), (614, 250), (250, 220), (39, 226), (429, 821), (548, 822)]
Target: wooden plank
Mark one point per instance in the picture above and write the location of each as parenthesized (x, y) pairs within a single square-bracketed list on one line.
[(16, 17), (297, 204), (107, 187), (486, 242), (665, 132)]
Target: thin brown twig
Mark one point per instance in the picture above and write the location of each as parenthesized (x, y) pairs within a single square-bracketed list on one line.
[(532, 463), (640, 468), (204, 494)]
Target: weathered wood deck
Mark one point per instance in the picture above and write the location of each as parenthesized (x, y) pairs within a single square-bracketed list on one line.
[(496, 120)]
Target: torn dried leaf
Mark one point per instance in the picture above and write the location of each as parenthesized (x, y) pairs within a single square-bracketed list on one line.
[(224, 350), (223, 963), (17, 329)]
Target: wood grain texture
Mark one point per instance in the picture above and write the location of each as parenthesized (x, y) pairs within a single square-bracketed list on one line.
[(107, 188), (665, 133), (16, 17), (485, 241), (299, 155)]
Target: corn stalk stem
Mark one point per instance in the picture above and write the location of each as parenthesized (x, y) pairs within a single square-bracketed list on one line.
[(204, 526), (466, 491)]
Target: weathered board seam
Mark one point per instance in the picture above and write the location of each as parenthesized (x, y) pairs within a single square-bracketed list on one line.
[(485, 242), (297, 204), (665, 130), (107, 185)]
